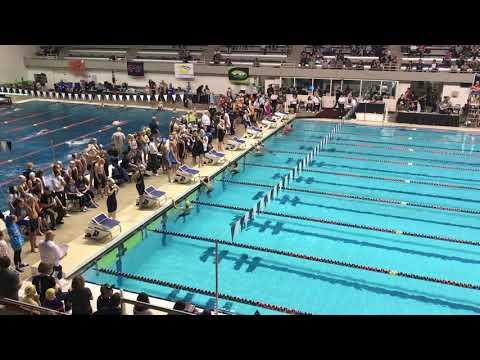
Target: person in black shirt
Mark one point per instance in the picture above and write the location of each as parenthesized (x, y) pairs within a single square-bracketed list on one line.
[(114, 308), (105, 298), (28, 170), (337, 96), (52, 207), (270, 90), (9, 280), (154, 127), (44, 280), (79, 297)]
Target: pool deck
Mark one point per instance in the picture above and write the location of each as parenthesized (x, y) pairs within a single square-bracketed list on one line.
[(82, 251)]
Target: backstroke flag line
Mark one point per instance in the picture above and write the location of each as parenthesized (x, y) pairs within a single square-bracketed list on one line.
[(270, 195)]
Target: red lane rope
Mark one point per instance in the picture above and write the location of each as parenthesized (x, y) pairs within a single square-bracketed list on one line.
[(60, 144), (349, 225), (25, 117), (26, 138), (326, 260), (203, 292), (39, 123)]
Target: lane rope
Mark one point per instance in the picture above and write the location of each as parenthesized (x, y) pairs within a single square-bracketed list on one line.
[(29, 137), (407, 149), (203, 292), (397, 137), (345, 224), (405, 163), (366, 198), (407, 181), (61, 143), (325, 260)]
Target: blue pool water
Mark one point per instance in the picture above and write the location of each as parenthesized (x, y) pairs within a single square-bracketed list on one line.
[(315, 287), (33, 128)]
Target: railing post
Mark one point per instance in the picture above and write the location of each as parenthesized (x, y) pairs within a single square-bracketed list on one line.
[(216, 277)]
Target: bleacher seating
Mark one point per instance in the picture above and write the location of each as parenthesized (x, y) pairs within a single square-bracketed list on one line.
[(248, 54)]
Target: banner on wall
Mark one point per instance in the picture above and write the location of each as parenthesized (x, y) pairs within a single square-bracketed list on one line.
[(183, 70), (239, 75), (135, 68), (76, 66)]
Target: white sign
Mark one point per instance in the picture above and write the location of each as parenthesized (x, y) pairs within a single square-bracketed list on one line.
[(183, 70)]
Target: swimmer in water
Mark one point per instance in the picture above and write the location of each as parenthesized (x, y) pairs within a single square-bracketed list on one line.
[(234, 169), (186, 210), (160, 106), (259, 149), (287, 128), (208, 184)]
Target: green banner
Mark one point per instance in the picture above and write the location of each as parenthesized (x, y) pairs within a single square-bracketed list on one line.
[(239, 75)]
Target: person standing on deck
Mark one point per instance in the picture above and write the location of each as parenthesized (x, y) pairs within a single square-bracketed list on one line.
[(112, 190), (118, 140)]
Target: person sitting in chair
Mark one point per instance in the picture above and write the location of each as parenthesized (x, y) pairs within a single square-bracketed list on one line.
[(445, 106)]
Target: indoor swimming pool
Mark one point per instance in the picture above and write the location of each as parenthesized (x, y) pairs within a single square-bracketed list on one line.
[(406, 201), (42, 132)]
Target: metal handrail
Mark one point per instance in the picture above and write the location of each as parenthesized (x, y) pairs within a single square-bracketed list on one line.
[(31, 309), (156, 307)]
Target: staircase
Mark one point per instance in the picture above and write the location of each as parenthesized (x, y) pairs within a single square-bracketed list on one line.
[(293, 56), (209, 52), (396, 51)]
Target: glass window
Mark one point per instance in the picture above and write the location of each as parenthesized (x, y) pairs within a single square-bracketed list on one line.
[(304, 86), (323, 85), (388, 88), (287, 83), (370, 88), (353, 86)]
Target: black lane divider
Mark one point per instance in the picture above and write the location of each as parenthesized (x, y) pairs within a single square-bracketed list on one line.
[(366, 198), (403, 157), (326, 261), (287, 152), (403, 163), (327, 165), (407, 181), (407, 149), (202, 291), (397, 137), (345, 224), (403, 144)]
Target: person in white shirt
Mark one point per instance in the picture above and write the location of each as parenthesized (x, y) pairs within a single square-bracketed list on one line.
[(352, 105), (341, 104), (228, 124), (51, 253), (118, 140), (273, 100), (316, 103), (58, 185), (206, 121), (153, 158)]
